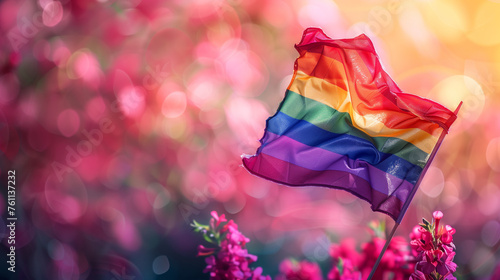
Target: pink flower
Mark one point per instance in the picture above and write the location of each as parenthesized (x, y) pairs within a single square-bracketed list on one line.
[(304, 270), (425, 267), (371, 250), (416, 233), (418, 275), (426, 241), (447, 235), (445, 265), (232, 233), (257, 274), (437, 215), (348, 264), (346, 250), (434, 250), (231, 261), (216, 221), (348, 271)]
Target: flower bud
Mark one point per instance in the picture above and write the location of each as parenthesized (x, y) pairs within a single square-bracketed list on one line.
[(437, 215)]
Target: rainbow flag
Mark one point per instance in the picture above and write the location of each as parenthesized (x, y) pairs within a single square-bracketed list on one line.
[(345, 124)]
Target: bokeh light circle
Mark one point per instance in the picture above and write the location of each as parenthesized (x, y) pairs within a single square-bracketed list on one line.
[(52, 13), (161, 265), (95, 108), (491, 233), (83, 65), (322, 13), (433, 183), (132, 101), (66, 197), (246, 72), (493, 154), (246, 117), (488, 198), (174, 104), (68, 122)]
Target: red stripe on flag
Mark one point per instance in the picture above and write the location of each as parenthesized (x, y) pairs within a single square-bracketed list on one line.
[(358, 69)]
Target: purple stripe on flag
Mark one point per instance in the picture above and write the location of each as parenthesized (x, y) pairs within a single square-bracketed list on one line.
[(314, 158), (287, 173)]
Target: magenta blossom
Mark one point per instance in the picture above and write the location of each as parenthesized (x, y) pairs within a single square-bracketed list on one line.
[(433, 248), (344, 270), (418, 275), (396, 263), (230, 260), (292, 270)]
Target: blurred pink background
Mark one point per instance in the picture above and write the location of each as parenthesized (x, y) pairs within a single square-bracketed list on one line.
[(125, 120)]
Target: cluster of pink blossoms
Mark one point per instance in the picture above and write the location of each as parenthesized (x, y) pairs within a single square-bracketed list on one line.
[(348, 264), (430, 258), (230, 260), (293, 270), (434, 250)]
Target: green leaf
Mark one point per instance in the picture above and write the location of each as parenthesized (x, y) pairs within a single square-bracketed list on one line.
[(382, 225), (426, 227), (208, 239), (340, 266), (198, 227), (195, 224), (378, 228)]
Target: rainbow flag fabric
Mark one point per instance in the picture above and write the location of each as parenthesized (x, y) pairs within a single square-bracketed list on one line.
[(345, 124)]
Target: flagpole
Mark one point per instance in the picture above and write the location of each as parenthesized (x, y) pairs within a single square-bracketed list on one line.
[(386, 245), (407, 203), (410, 197)]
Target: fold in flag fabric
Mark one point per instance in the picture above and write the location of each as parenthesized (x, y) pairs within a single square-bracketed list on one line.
[(345, 124)]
